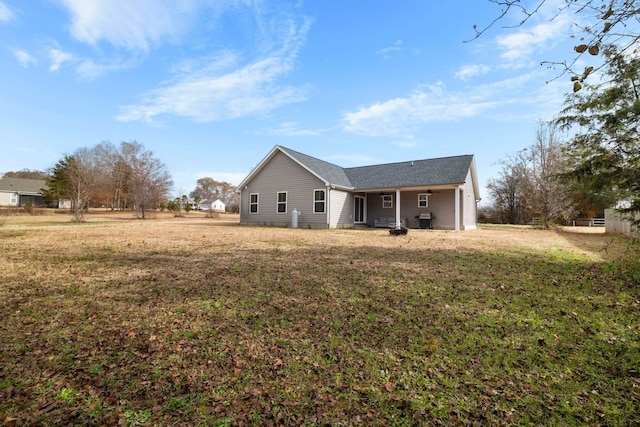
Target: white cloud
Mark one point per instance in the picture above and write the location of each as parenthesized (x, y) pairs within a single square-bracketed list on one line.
[(517, 97), (58, 58), (134, 25), (429, 103), (468, 71), (24, 58), (519, 46), (6, 14), (387, 50), (287, 129), (89, 69), (209, 94)]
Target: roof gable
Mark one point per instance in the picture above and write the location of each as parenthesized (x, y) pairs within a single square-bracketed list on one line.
[(328, 172)]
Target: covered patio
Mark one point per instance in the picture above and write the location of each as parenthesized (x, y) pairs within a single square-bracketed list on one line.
[(436, 207)]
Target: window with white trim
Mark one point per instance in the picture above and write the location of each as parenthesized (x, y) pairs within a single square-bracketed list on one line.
[(319, 201), (282, 202), (253, 203), (423, 200), (14, 199), (387, 201)]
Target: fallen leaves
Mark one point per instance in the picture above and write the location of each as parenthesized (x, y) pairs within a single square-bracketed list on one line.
[(345, 329)]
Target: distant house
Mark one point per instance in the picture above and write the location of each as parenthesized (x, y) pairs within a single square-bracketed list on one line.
[(216, 206), (439, 193), (22, 192)]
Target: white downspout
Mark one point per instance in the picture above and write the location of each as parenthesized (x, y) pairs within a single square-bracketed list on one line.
[(456, 220), (398, 210)]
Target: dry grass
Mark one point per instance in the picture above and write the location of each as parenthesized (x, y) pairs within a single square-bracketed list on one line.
[(194, 320)]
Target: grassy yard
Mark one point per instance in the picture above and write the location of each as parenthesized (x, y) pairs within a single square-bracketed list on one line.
[(193, 321)]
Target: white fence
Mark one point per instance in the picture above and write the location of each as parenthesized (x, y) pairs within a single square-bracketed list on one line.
[(589, 222), (618, 223)]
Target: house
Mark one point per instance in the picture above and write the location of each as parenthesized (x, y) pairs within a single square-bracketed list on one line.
[(22, 192), (216, 206), (289, 188)]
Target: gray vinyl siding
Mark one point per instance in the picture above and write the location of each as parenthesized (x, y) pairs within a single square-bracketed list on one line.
[(443, 209), (341, 215), (440, 205), (5, 199), (375, 209), (282, 174), (469, 205)]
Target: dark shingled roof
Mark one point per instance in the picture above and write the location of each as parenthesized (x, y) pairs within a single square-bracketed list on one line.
[(440, 171), (445, 170), (23, 185)]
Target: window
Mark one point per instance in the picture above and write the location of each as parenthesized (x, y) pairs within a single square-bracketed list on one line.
[(423, 200), (14, 199), (253, 203), (319, 198), (387, 201), (282, 202)]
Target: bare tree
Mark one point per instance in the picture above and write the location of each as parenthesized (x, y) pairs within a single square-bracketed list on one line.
[(509, 192), (209, 189), (530, 183), (552, 197), (149, 181)]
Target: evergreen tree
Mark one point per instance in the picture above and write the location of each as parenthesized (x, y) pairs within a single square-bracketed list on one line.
[(605, 150)]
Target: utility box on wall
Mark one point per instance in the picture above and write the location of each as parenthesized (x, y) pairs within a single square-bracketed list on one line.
[(294, 218)]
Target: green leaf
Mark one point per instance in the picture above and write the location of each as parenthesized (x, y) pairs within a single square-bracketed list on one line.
[(588, 71), (607, 26), (577, 86)]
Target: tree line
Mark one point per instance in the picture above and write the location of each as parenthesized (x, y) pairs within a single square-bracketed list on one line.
[(124, 177), (117, 177)]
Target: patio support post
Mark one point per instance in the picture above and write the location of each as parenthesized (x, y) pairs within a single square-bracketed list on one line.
[(398, 225), (456, 221)]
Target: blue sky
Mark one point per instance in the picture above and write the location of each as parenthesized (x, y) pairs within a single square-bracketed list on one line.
[(211, 86)]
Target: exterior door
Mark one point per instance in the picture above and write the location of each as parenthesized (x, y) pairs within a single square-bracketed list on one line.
[(358, 215)]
